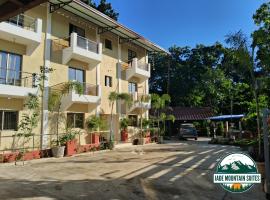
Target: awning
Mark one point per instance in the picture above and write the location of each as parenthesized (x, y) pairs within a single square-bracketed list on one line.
[(103, 21), (12, 8), (226, 117)]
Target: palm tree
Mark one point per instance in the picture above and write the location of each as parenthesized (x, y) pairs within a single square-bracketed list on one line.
[(55, 100), (239, 44), (113, 98), (159, 103)]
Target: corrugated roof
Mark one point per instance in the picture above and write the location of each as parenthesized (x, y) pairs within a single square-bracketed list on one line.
[(189, 114), (88, 13)]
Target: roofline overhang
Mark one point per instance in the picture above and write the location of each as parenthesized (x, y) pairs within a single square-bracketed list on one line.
[(109, 22)]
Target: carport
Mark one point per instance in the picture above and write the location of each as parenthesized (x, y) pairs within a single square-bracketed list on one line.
[(226, 119), (187, 115)]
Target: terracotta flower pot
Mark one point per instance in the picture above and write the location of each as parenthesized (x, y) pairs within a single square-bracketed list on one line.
[(95, 138), (71, 147), (124, 136)]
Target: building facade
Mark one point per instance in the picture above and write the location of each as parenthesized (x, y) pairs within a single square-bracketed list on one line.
[(80, 44)]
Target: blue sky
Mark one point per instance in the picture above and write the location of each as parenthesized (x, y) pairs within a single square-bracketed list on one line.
[(187, 22)]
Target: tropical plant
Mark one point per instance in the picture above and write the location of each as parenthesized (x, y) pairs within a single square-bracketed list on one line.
[(124, 123), (159, 103), (113, 98), (55, 101), (95, 123)]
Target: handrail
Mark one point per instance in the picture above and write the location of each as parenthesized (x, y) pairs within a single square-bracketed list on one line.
[(23, 21), (17, 78), (131, 63), (88, 89), (87, 44)]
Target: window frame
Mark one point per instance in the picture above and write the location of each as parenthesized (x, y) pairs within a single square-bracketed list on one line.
[(2, 120), (131, 85), (110, 44), (76, 69), (110, 81), (75, 120)]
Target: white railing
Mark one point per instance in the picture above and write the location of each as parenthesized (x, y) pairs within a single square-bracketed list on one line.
[(23, 21), (87, 44)]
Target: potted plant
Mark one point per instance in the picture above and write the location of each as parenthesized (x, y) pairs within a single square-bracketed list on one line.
[(94, 125), (55, 102), (69, 140), (123, 126)]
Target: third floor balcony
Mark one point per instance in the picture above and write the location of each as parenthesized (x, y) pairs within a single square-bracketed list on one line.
[(24, 30), (137, 69), (82, 49)]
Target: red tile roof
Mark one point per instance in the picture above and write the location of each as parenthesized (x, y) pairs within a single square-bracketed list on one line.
[(190, 114)]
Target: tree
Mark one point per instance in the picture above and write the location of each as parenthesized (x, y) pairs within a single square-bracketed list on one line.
[(113, 98), (55, 100), (159, 104), (245, 56), (104, 7)]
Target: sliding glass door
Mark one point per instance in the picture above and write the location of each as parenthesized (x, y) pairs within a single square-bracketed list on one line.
[(10, 68)]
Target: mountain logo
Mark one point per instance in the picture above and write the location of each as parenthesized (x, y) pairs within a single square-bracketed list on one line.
[(237, 173)]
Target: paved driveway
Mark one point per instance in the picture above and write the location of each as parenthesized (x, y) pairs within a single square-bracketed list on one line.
[(177, 170)]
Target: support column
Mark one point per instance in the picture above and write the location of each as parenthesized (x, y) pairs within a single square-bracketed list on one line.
[(98, 76), (47, 62), (119, 71), (146, 85)]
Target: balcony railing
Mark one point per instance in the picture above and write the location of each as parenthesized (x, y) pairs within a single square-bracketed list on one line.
[(87, 89), (17, 78), (23, 21), (132, 63), (140, 97), (87, 44)]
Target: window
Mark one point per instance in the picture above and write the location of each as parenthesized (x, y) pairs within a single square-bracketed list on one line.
[(132, 120), (108, 44), (75, 74), (76, 29), (108, 81), (132, 87), (10, 68), (131, 55), (75, 120), (8, 120)]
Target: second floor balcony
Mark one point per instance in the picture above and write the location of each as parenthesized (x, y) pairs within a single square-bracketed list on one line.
[(90, 96), (17, 84), (24, 30), (82, 49), (140, 103), (138, 70)]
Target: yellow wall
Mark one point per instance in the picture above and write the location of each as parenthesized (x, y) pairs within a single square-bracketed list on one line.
[(108, 66)]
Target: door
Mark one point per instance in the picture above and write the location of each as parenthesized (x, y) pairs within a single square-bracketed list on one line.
[(81, 40), (131, 55)]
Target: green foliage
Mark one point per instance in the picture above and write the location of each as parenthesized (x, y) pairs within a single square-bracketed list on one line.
[(95, 123), (124, 123), (68, 136), (104, 7)]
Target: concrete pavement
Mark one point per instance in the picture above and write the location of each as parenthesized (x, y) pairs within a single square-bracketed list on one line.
[(175, 170)]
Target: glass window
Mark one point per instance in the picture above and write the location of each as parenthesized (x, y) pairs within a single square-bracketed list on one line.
[(76, 74), (75, 120), (8, 120), (132, 87), (108, 81), (108, 44), (10, 68)]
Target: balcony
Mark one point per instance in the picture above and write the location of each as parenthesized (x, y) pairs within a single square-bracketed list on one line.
[(82, 49), (23, 30), (90, 96), (16, 84), (140, 103), (138, 70)]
